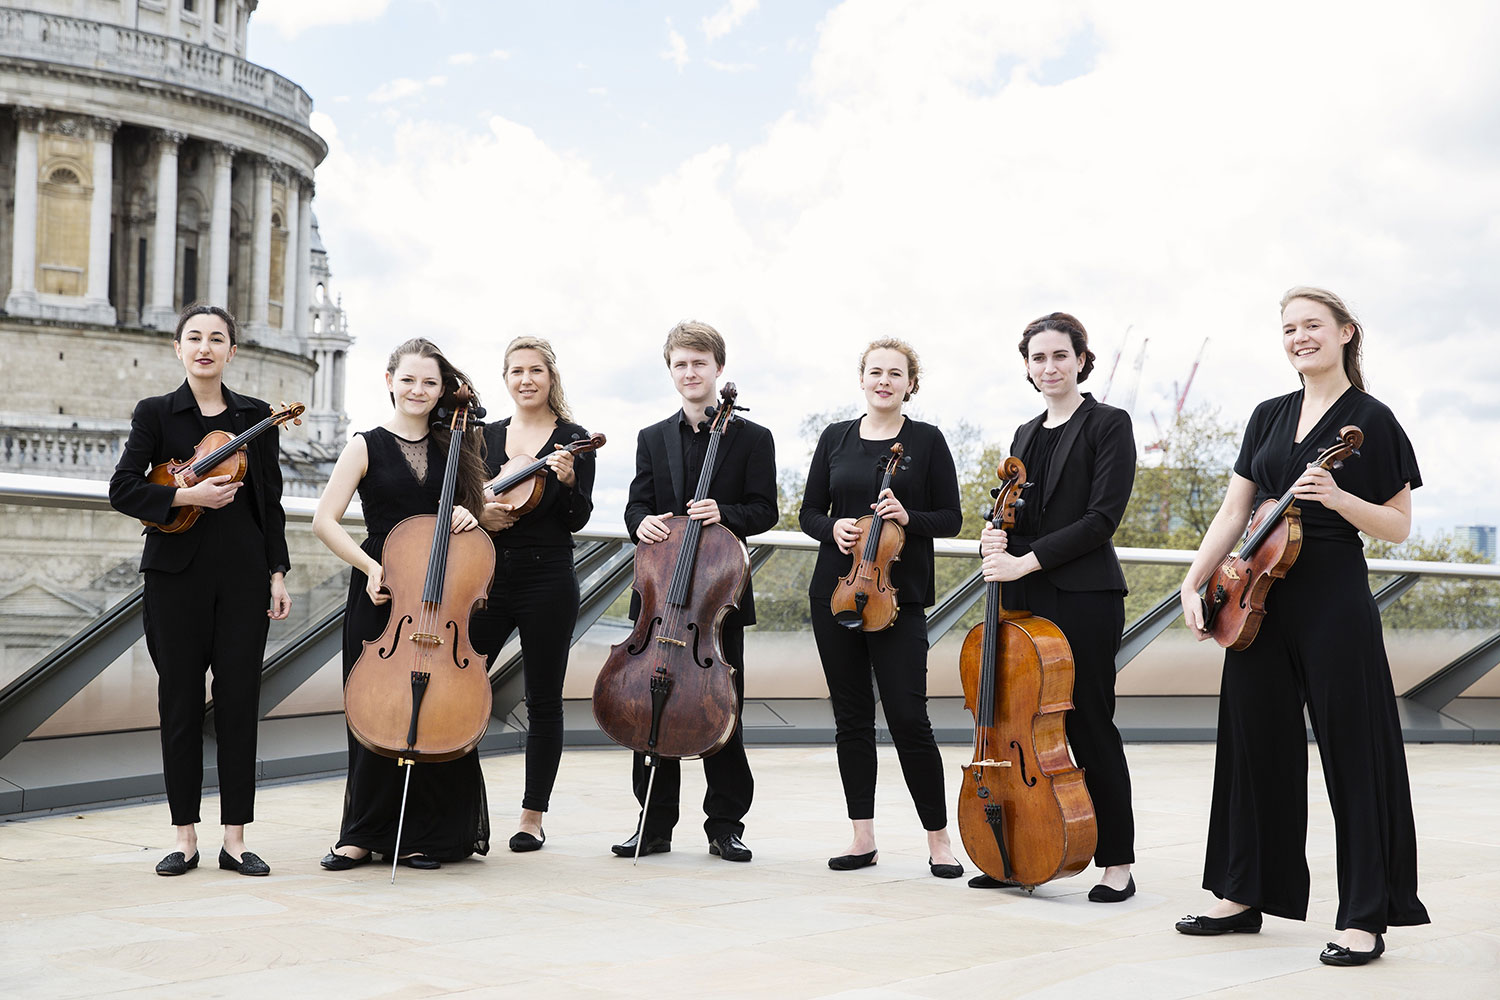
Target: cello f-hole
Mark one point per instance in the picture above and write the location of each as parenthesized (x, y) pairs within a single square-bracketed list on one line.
[(386, 654), (1021, 759), (645, 639), (452, 626), (704, 662)]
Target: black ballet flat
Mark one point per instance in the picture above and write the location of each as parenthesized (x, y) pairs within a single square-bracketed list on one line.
[(983, 881), (522, 842), (420, 862), (852, 862), (1337, 954), (177, 864), (336, 862), (945, 871), (248, 864), (1244, 922), (1102, 893)]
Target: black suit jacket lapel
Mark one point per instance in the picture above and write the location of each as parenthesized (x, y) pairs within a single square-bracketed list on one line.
[(671, 439), (725, 443), (1024, 436), (1060, 457)]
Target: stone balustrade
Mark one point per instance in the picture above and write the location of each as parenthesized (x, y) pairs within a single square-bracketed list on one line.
[(87, 44), (74, 452)]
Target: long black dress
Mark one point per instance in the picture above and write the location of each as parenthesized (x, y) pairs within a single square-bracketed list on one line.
[(1320, 644), (447, 816)]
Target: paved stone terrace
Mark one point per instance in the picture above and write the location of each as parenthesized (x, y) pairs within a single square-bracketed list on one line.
[(84, 916)]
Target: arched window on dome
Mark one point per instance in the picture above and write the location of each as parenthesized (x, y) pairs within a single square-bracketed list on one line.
[(318, 322), (320, 294), (64, 176)]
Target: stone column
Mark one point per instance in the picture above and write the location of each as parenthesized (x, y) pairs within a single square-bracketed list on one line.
[(101, 218), (161, 313), (292, 260), (22, 300), (218, 226), (260, 252), (303, 323)]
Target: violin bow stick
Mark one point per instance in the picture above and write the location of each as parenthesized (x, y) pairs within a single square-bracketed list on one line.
[(400, 816), (640, 831)]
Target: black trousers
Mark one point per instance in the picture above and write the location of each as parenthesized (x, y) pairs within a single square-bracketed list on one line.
[(731, 786), (1092, 621), (196, 620), (898, 659), (536, 591), (1319, 645)]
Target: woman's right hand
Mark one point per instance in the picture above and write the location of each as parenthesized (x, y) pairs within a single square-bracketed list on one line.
[(1192, 611), (845, 534), (375, 586), (214, 492)]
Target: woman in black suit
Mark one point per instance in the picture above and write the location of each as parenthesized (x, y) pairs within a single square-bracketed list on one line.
[(847, 468), (210, 591), (1059, 564)]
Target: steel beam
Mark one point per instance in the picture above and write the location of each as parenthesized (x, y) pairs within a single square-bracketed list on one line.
[(1457, 677)]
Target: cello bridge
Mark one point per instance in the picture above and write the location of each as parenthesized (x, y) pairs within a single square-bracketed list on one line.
[(435, 640), (674, 642), (991, 763)]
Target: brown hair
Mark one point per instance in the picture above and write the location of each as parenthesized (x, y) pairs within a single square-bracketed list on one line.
[(557, 400), (893, 344), (202, 308), (1062, 323), (1354, 349), (468, 490), (692, 335)]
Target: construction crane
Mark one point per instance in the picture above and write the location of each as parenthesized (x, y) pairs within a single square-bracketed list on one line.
[(1160, 444), (1133, 381)]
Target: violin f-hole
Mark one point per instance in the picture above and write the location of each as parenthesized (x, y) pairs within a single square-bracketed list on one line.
[(704, 662), (386, 654), (1021, 759), (452, 626), (645, 639)]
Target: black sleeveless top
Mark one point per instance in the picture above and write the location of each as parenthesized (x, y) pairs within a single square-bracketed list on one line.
[(390, 492)]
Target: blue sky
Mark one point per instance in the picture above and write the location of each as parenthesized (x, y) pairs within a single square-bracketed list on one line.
[(809, 176)]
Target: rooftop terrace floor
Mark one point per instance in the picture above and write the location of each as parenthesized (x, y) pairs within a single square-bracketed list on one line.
[(84, 915)]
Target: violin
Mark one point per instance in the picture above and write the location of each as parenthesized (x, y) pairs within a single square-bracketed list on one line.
[(866, 598), (1235, 601), (218, 454), (666, 691), (522, 480), (1024, 813)]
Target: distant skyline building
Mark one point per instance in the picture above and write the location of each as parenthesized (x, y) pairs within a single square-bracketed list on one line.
[(1479, 537)]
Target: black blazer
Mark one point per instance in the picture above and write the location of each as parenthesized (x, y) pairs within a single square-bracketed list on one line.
[(743, 482), (167, 428), (1087, 488)]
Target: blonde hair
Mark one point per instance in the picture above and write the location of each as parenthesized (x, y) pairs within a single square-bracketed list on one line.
[(895, 344), (1354, 349), (557, 400), (691, 335)]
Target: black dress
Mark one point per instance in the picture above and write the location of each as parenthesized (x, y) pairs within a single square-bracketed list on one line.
[(1320, 645), (447, 817)]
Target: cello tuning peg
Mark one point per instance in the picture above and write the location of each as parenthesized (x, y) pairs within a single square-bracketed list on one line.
[(742, 409), (1337, 464), (477, 412), (1020, 502), (995, 492)]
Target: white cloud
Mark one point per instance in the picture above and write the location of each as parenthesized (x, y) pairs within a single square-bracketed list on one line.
[(292, 17), (944, 180), (499, 54), (402, 87), (461, 58), (676, 51), (727, 18)]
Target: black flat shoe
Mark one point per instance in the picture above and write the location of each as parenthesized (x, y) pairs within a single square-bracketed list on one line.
[(945, 871), (176, 864), (1244, 922), (248, 864), (1337, 954), (420, 862), (1102, 893), (335, 862), (653, 845), (730, 848), (522, 842), (851, 862), (983, 881)]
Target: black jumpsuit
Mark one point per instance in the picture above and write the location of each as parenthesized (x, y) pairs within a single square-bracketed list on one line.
[(1320, 645)]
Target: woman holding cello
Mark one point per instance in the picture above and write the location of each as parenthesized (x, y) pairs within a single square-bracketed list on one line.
[(397, 469), (847, 468), (1059, 564), (210, 590), (1319, 646), (535, 589)]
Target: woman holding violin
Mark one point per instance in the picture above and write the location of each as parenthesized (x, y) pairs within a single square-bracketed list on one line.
[(210, 590), (1319, 646), (397, 469), (535, 589), (848, 466), (1059, 564)]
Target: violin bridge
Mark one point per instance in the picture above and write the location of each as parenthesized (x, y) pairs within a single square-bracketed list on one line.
[(674, 642), (436, 640)]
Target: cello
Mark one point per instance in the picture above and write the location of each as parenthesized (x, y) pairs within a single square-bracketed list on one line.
[(666, 691), (1235, 601), (865, 600), (1024, 813), (420, 691)]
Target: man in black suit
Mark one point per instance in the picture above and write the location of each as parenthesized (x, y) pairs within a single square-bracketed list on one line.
[(742, 496)]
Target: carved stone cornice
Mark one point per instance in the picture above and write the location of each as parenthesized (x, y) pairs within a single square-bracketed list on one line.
[(29, 119), (68, 125), (169, 137), (105, 128), (222, 151)]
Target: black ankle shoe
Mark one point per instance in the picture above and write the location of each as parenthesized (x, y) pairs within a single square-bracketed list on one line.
[(522, 842), (1244, 922), (945, 871), (729, 847), (851, 862), (420, 862), (1337, 954), (1102, 893), (653, 845)]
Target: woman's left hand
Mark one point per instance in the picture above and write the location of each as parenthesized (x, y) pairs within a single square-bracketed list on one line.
[(463, 520), (281, 601), (888, 507), (561, 464), (1317, 484)]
